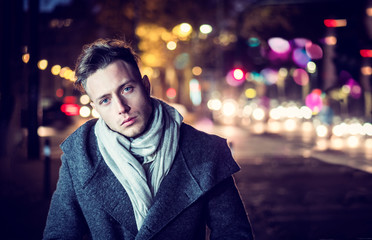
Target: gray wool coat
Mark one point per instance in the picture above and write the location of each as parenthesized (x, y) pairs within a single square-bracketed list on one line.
[(199, 190)]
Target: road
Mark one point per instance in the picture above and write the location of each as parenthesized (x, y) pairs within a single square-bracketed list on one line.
[(288, 192)]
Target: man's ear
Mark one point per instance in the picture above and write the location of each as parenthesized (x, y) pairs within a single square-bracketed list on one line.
[(146, 84)]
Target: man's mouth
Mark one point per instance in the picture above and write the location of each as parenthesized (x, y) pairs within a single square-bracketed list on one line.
[(129, 121)]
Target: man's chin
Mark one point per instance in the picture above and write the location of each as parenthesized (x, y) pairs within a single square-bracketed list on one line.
[(130, 133)]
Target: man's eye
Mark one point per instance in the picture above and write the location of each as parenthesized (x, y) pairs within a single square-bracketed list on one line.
[(127, 90), (104, 101)]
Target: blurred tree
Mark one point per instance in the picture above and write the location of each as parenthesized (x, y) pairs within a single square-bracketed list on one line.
[(267, 21), (117, 18)]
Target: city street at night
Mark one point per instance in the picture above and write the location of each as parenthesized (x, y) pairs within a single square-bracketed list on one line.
[(287, 83)]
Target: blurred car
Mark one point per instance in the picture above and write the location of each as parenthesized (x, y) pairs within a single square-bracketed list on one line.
[(54, 117)]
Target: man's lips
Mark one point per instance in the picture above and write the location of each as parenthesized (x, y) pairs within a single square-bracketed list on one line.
[(128, 121)]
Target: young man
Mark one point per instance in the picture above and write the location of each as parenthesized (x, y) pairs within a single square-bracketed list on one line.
[(138, 172)]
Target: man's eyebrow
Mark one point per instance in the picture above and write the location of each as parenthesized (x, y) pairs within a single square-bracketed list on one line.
[(130, 81)]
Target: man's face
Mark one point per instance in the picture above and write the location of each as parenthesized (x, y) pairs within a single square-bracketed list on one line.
[(121, 97)]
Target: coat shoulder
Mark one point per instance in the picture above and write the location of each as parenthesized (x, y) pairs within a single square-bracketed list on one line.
[(81, 153), (207, 156), (79, 137), (202, 143)]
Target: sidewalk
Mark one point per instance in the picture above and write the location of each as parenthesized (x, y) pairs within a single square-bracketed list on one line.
[(23, 202)]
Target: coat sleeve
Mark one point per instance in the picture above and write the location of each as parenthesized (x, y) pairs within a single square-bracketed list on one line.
[(227, 218), (65, 219)]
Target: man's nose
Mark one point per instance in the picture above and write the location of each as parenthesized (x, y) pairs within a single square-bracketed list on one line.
[(122, 106)]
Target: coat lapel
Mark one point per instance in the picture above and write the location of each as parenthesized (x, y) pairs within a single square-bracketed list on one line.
[(178, 191), (107, 190), (103, 186)]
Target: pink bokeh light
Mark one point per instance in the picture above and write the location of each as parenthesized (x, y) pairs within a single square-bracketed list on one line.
[(355, 89), (279, 45), (300, 76), (314, 51), (314, 102), (232, 81)]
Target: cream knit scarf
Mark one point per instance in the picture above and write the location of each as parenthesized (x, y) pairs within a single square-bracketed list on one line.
[(158, 147)]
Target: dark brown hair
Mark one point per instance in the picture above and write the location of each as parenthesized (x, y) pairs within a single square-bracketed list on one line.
[(99, 55)]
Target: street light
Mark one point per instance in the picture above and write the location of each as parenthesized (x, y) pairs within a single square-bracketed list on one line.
[(26, 57), (205, 28), (238, 74), (182, 31), (171, 45), (235, 77), (56, 69), (42, 64)]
